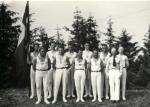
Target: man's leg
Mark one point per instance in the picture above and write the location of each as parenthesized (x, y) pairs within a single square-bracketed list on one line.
[(94, 82), (32, 80), (58, 76), (123, 80), (69, 83), (77, 83), (106, 86), (72, 83), (49, 83), (38, 86), (45, 86), (82, 85), (111, 83), (99, 88), (64, 84)]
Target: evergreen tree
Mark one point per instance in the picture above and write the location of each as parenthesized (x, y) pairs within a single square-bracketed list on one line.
[(84, 31), (147, 42), (110, 36), (9, 33), (130, 48)]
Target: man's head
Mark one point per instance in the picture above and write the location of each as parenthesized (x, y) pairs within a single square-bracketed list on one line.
[(79, 54), (43, 51), (52, 46), (121, 50), (95, 53), (104, 48), (113, 51), (70, 48), (87, 46), (36, 46), (61, 50)]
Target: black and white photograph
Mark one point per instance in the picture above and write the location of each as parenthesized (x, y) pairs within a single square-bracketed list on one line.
[(74, 53)]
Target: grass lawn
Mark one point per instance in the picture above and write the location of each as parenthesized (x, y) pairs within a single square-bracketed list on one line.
[(19, 98)]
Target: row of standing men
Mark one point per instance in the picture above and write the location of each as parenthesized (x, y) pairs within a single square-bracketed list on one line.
[(92, 71)]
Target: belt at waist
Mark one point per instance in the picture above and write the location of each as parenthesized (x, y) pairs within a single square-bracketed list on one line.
[(79, 69), (61, 68), (96, 71), (114, 68), (42, 69)]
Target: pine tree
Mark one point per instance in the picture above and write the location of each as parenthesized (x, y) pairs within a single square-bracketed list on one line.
[(84, 31), (130, 48), (9, 33), (110, 36), (147, 42)]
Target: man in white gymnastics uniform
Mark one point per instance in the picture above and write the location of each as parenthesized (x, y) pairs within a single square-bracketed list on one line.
[(51, 72), (125, 64), (71, 56), (114, 69), (80, 66), (96, 66), (30, 60), (61, 63), (87, 54), (42, 65), (104, 55)]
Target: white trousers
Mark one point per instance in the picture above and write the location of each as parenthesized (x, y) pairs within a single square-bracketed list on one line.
[(50, 82), (60, 74), (114, 81), (96, 78), (41, 78), (123, 82), (70, 83), (32, 80), (79, 78), (88, 83), (105, 82)]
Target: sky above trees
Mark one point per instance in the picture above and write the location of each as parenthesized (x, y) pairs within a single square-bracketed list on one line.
[(133, 16)]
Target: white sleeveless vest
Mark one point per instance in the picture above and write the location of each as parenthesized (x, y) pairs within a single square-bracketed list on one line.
[(95, 64), (79, 65), (42, 65)]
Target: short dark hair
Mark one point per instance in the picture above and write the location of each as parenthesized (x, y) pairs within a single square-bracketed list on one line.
[(42, 47)]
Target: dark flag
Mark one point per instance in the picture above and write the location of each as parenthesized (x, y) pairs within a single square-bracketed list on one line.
[(22, 50)]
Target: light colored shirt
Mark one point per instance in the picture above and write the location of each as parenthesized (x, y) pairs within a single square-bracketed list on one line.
[(79, 65), (123, 60), (104, 57), (41, 65), (87, 55), (71, 56), (33, 56), (96, 64), (51, 54), (61, 60)]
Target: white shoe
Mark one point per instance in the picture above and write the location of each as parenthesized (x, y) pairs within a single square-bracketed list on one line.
[(93, 100), (85, 95), (107, 98), (46, 101), (54, 101), (49, 97), (124, 99), (38, 102), (90, 95), (64, 100), (68, 96), (100, 100), (31, 97), (73, 95), (82, 100), (77, 100)]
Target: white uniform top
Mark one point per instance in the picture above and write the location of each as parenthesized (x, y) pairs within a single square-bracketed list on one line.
[(71, 56), (96, 64), (104, 58), (32, 56), (61, 60), (110, 63), (51, 55), (79, 65), (41, 65), (123, 59), (87, 55)]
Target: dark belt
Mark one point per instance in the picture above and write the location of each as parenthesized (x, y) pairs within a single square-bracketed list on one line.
[(61, 68), (42, 69), (96, 71)]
